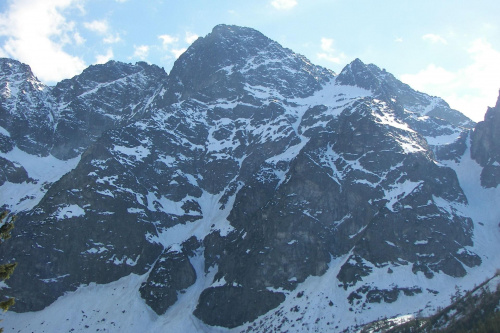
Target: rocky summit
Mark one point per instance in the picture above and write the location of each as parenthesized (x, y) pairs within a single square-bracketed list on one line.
[(247, 190)]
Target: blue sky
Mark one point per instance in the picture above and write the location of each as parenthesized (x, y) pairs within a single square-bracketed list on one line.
[(446, 48)]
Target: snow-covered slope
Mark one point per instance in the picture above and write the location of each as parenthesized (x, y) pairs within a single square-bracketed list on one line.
[(248, 189)]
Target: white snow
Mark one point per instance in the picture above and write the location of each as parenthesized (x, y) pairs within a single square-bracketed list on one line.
[(162, 204), (138, 153), (44, 170), (168, 160), (408, 145), (96, 250), (107, 193), (214, 217), (115, 307), (398, 191), (67, 212), (434, 101), (135, 210), (357, 232), (4, 132), (385, 116), (442, 139), (483, 209), (289, 154)]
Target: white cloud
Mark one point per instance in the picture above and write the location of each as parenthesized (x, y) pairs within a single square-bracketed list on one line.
[(469, 89), (399, 40), (104, 58), (111, 39), (329, 53), (141, 52), (284, 4), (101, 27), (327, 44), (167, 39), (190, 37), (177, 52), (40, 42), (434, 39), (79, 40)]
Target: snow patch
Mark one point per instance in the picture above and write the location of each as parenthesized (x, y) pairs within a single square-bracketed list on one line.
[(70, 211), (213, 217), (43, 170), (398, 192), (138, 153)]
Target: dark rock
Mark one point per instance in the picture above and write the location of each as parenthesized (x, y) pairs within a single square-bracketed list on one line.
[(485, 146), (171, 273), (9, 172), (230, 306)]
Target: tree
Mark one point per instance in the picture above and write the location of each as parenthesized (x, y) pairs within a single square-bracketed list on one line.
[(6, 225)]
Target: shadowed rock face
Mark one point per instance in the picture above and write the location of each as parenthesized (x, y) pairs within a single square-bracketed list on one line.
[(172, 272), (249, 160), (485, 147)]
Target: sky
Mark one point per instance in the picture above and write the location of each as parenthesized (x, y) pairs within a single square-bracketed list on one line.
[(445, 48)]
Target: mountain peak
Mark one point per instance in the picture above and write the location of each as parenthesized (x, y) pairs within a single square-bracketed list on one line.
[(358, 74), (17, 73), (357, 62), (212, 63), (234, 30)]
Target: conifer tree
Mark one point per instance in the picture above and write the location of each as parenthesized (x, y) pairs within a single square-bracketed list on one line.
[(6, 225)]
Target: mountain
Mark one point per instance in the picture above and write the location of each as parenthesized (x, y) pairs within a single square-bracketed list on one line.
[(247, 190)]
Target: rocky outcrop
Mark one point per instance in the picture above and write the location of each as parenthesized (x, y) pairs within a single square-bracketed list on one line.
[(172, 273), (485, 146)]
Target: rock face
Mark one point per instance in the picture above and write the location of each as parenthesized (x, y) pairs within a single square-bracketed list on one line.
[(172, 273), (246, 158), (27, 112), (485, 148), (65, 119)]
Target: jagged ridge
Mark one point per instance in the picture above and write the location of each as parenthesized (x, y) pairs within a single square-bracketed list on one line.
[(267, 168)]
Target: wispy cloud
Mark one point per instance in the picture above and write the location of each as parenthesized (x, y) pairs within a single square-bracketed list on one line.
[(469, 89), (141, 52), (398, 40), (41, 42), (435, 39), (102, 28), (104, 58), (99, 26), (329, 53), (171, 43), (177, 52), (190, 37), (112, 39), (79, 40), (167, 39), (284, 4)]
